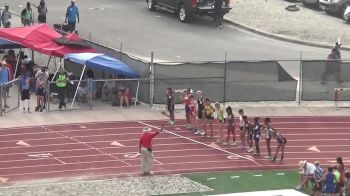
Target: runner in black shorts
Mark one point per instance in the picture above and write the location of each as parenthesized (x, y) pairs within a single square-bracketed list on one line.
[(248, 129), (200, 110), (281, 143), (170, 106)]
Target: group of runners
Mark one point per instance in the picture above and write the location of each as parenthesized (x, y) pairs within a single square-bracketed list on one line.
[(201, 113)]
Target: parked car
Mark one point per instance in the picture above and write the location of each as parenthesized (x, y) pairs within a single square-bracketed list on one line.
[(313, 3), (185, 9), (346, 14), (337, 7)]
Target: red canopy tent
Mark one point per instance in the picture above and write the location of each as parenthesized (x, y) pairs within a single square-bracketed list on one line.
[(41, 38)]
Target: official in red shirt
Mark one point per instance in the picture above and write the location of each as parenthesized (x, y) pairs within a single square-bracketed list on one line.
[(145, 148)]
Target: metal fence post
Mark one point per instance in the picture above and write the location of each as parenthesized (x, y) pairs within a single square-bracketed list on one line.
[(90, 92), (225, 78), (120, 50), (151, 87), (300, 78), (48, 98)]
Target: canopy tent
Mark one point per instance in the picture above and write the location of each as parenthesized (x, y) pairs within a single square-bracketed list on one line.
[(6, 44), (103, 62), (73, 40), (40, 38)]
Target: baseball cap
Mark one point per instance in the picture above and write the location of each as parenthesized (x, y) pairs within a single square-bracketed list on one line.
[(147, 129)]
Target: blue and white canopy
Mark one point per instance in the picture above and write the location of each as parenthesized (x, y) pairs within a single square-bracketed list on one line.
[(103, 62)]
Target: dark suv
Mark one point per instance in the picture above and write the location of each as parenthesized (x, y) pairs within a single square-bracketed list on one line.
[(337, 7), (185, 9)]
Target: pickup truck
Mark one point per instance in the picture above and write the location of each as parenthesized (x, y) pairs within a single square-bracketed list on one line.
[(185, 9)]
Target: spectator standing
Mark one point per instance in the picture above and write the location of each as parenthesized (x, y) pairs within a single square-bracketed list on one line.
[(347, 184), (5, 17), (319, 172), (218, 14), (341, 169), (42, 12), (4, 78), (145, 149), (329, 180), (309, 173), (27, 15), (61, 84), (25, 92), (333, 65), (91, 84), (72, 15)]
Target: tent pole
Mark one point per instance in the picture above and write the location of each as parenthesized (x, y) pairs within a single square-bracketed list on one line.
[(76, 91), (137, 92), (53, 78), (20, 50)]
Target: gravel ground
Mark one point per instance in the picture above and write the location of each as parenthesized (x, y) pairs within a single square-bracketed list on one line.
[(133, 186), (306, 24)]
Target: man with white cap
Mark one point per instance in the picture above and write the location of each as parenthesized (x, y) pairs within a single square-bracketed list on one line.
[(308, 173), (145, 149), (72, 15)]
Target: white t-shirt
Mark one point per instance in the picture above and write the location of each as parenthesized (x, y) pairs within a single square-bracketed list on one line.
[(310, 169), (241, 122)]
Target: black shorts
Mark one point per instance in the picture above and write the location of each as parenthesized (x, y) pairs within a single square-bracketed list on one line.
[(282, 141), (40, 92), (241, 128), (25, 94), (315, 188), (171, 108), (42, 18), (71, 26), (209, 117), (200, 114)]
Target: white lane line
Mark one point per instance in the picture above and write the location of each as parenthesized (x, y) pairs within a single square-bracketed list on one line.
[(213, 168), (76, 130), (258, 175), (87, 145), (234, 177), (201, 143), (137, 133), (280, 174), (262, 142), (59, 160)]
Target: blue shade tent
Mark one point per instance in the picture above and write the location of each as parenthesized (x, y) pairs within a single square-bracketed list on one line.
[(103, 62), (5, 44)]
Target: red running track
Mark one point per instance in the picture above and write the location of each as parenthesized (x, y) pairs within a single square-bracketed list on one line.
[(84, 151)]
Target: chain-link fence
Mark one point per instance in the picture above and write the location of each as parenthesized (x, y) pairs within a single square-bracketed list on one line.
[(10, 96), (319, 78)]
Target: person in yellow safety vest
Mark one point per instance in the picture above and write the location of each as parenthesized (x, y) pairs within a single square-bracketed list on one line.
[(61, 84)]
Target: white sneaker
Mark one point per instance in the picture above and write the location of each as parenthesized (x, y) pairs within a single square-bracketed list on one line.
[(197, 132), (298, 187), (233, 143)]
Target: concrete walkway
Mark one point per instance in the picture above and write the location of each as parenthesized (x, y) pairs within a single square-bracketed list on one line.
[(307, 26)]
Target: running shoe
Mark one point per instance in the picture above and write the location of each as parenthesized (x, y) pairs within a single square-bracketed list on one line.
[(197, 132), (268, 157), (233, 143), (225, 143)]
